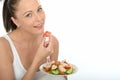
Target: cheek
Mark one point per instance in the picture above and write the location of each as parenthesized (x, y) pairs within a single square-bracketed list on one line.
[(27, 23), (44, 17), (27, 26)]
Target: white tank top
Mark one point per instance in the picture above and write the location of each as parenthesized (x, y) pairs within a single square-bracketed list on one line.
[(19, 70)]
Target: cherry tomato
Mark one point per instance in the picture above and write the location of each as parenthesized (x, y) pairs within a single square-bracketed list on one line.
[(67, 67), (47, 69), (57, 63), (46, 34)]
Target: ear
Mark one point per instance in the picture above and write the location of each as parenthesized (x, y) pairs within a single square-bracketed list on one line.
[(15, 21)]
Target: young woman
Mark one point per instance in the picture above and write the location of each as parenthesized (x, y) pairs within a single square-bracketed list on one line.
[(22, 50)]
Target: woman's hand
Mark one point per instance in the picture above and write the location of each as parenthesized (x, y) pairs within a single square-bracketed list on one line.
[(44, 51), (41, 55)]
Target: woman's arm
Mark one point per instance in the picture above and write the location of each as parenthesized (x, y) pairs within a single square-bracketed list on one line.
[(31, 71), (54, 56)]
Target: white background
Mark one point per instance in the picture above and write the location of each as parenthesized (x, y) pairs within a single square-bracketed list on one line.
[(89, 35)]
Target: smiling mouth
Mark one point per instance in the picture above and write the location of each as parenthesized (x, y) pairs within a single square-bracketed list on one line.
[(38, 27)]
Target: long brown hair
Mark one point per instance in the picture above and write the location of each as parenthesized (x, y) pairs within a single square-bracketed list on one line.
[(9, 8)]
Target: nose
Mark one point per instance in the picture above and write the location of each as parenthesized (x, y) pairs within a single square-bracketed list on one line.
[(38, 17)]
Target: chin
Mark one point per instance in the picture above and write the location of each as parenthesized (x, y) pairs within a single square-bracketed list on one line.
[(40, 32)]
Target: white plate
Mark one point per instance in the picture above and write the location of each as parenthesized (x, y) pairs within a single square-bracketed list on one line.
[(42, 69)]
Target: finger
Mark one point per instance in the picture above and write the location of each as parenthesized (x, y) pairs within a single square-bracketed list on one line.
[(46, 43), (65, 77), (50, 45), (43, 42)]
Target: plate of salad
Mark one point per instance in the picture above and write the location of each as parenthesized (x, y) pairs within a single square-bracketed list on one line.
[(59, 68)]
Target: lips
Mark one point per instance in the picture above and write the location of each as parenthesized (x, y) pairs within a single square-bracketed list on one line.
[(38, 27)]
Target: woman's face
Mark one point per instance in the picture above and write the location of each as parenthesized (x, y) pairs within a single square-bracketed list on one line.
[(29, 16)]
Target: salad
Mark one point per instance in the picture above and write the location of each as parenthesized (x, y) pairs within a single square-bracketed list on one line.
[(59, 68)]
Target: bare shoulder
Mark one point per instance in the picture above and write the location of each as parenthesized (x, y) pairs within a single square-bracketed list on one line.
[(2, 41), (3, 44), (5, 49), (6, 67)]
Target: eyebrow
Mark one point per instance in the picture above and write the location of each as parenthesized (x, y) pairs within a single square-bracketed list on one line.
[(30, 10)]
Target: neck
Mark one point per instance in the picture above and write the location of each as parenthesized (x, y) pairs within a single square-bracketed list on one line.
[(23, 37)]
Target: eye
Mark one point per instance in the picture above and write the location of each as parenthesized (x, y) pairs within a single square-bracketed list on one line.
[(28, 15), (40, 9)]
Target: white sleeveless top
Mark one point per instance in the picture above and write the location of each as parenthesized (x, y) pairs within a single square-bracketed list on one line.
[(19, 70)]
